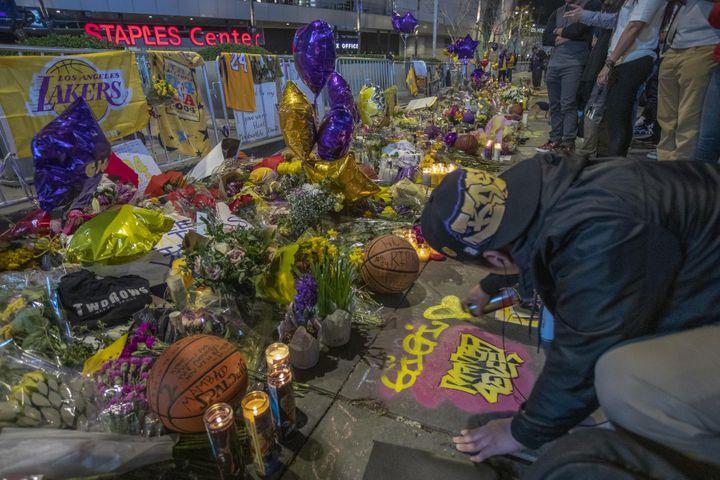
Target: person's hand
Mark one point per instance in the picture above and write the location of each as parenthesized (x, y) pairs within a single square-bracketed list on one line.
[(574, 14), (558, 31), (560, 41), (603, 76), (493, 438), (594, 41), (475, 296)]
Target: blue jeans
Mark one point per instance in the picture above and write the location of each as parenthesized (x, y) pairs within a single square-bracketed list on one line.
[(708, 143), (563, 83)]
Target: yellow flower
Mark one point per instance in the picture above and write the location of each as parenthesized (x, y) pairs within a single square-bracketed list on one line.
[(368, 214), (357, 256), (332, 233), (389, 213), (332, 250)]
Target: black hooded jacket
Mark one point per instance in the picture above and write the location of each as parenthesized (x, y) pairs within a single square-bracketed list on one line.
[(617, 250)]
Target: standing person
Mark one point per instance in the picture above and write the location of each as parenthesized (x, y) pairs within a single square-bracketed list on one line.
[(502, 66), (510, 66), (571, 44), (629, 64), (708, 145), (626, 257), (684, 77), (537, 64)]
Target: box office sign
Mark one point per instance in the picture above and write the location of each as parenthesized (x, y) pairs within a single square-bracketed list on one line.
[(35, 90)]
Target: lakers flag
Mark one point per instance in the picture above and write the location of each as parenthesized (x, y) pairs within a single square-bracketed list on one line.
[(35, 90), (183, 125), (411, 81)]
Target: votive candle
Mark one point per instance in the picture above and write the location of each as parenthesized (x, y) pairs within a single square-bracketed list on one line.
[(497, 149), (261, 431), (219, 422), (277, 355)]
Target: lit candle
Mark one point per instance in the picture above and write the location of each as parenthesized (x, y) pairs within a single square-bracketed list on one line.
[(487, 153), (497, 149), (220, 426), (426, 177), (282, 401), (277, 355), (261, 432), (423, 253)]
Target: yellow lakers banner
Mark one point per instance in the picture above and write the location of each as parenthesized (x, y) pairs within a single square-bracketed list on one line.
[(34, 90), (183, 125)]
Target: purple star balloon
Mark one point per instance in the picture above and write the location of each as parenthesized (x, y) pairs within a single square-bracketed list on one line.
[(465, 48), (314, 54), (71, 154), (404, 24)]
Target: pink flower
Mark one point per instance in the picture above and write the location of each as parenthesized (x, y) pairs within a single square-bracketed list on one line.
[(235, 255)]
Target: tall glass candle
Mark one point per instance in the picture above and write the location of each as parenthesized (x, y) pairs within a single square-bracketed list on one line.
[(221, 430), (277, 355), (261, 432), (282, 401)]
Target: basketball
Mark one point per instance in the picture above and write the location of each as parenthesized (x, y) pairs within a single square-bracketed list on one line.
[(192, 374), (391, 265)]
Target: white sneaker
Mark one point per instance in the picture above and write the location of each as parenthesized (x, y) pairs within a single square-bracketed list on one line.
[(652, 155)]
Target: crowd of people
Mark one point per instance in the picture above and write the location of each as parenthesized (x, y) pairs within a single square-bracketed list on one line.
[(624, 70)]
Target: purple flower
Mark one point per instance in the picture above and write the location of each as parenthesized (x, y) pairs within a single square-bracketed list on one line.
[(419, 238), (149, 342), (144, 375), (306, 296), (450, 138), (136, 361)]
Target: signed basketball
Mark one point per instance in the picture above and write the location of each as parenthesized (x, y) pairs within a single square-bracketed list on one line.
[(391, 265), (192, 374)]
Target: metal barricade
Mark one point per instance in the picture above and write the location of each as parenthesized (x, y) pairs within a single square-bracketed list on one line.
[(359, 71)]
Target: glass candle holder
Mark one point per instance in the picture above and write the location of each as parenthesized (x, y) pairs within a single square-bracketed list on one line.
[(277, 355), (221, 430), (261, 432), (282, 401)]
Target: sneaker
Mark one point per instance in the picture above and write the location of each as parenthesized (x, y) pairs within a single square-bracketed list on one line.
[(548, 147), (652, 155), (566, 147), (640, 121), (643, 132)]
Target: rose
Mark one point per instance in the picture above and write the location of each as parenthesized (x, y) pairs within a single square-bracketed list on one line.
[(241, 201), (235, 255)]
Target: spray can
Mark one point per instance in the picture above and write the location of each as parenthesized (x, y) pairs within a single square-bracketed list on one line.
[(504, 298), (547, 325)]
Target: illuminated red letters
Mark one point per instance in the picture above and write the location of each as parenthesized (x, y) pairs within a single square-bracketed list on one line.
[(163, 36)]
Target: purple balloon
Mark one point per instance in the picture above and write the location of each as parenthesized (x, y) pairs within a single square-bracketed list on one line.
[(71, 154), (404, 24), (451, 48), (314, 53), (335, 134), (341, 94), (450, 138), (465, 48)]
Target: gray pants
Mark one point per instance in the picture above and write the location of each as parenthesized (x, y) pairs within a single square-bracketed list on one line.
[(590, 139), (562, 84), (666, 389)]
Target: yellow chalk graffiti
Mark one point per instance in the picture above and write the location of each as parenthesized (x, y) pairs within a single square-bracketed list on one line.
[(416, 345), (481, 367), (450, 307)]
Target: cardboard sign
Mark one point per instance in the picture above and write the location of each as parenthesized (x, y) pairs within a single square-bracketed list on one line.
[(135, 155)]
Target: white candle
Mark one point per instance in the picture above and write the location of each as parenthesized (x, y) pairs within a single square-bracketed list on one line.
[(525, 118), (497, 149)]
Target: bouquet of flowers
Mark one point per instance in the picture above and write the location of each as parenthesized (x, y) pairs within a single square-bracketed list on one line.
[(122, 385), (308, 204), (511, 95), (161, 92), (231, 261), (111, 192)]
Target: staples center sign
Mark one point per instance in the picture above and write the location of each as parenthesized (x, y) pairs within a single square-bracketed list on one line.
[(164, 35)]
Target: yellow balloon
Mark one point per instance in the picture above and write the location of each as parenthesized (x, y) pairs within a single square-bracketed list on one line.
[(347, 177), (119, 234), (297, 121), (371, 103)]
